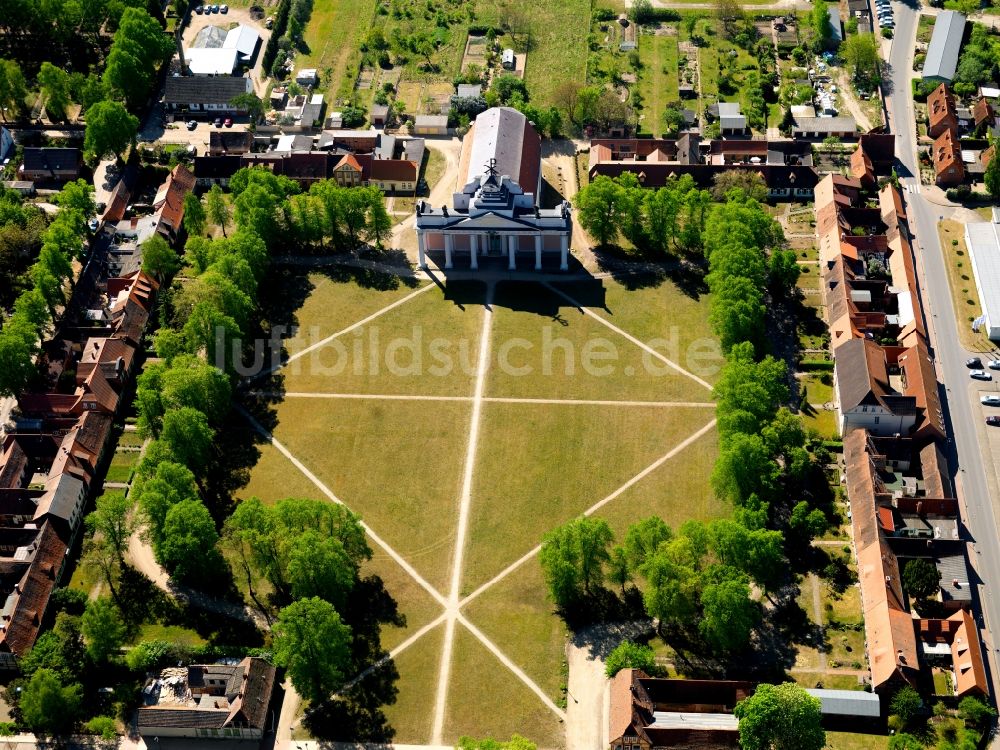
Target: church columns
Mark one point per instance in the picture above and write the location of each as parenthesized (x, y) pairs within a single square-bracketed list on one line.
[(538, 252), (511, 249), (474, 247), (563, 262), (420, 249), (447, 249)]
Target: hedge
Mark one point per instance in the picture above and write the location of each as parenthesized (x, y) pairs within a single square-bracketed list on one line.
[(808, 365), (277, 31)]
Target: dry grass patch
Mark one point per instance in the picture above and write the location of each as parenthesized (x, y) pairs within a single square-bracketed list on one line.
[(485, 699), (964, 294), (414, 603), (397, 464), (540, 466)]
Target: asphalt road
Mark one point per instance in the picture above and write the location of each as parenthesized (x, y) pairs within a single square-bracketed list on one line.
[(961, 406)]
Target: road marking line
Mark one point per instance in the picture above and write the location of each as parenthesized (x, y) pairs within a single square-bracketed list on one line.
[(593, 509), (463, 520), (379, 541), (629, 337)]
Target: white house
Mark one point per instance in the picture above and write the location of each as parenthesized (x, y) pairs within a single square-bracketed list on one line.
[(210, 94)]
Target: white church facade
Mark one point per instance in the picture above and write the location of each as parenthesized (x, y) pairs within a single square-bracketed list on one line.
[(495, 211)]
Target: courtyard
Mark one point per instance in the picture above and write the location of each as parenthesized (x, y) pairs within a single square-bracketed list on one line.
[(463, 419)]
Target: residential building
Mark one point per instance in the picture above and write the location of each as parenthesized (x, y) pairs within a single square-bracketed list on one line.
[(226, 701), (307, 77), (230, 142), (984, 117), (50, 164), (731, 120), (205, 94), (941, 113), (946, 155), (946, 42), (786, 166), (356, 141), (495, 209)]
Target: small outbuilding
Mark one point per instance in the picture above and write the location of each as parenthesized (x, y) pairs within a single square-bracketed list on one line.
[(380, 115), (430, 125), (508, 60), (307, 77)]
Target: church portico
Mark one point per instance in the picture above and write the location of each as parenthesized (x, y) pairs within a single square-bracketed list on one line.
[(492, 215)]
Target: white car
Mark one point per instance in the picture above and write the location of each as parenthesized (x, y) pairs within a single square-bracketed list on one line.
[(980, 375), (994, 364), (990, 400)]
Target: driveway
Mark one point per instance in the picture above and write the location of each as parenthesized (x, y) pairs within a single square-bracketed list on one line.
[(977, 489)]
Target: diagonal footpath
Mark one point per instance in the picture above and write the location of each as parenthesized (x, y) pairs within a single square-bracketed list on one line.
[(352, 327), (518, 672), (400, 560), (593, 509), (452, 612), (625, 334)]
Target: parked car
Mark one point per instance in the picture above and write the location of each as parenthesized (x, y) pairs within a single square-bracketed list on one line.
[(990, 400), (218, 122), (993, 421), (994, 364), (199, 10), (223, 9), (215, 8), (974, 363), (228, 122), (980, 375), (192, 124), (93, 224)]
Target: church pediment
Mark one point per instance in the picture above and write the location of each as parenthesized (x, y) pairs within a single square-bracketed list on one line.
[(492, 221)]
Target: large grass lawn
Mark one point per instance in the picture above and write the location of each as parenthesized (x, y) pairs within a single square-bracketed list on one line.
[(399, 462)]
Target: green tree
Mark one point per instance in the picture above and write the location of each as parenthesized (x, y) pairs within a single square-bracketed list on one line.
[(313, 644), (47, 706), (77, 195), (630, 655), (112, 519), (139, 48), (642, 540), (194, 215), (780, 717), (861, 54), (252, 105), (187, 432), (168, 484), (54, 85), (729, 615), (13, 89), (737, 311), (975, 711), (573, 557), (187, 549), (744, 468), (784, 272), (110, 129), (379, 225), (921, 578), (217, 208), (673, 590), (18, 346), (992, 176), (821, 24), (673, 120), (320, 566), (159, 260), (103, 629), (103, 726), (749, 181), (906, 704), (597, 209)]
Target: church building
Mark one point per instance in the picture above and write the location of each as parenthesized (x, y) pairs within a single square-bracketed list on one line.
[(495, 211)]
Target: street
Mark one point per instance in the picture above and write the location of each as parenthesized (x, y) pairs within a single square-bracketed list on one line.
[(962, 410)]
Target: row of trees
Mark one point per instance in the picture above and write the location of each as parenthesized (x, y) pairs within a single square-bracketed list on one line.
[(737, 238), (668, 219), (34, 309), (21, 226), (696, 581)]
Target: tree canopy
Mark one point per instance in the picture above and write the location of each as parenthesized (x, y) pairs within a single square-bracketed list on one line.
[(780, 717), (313, 644), (573, 557), (110, 129)]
